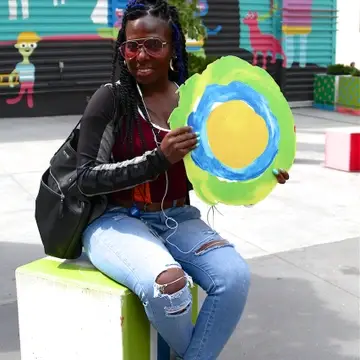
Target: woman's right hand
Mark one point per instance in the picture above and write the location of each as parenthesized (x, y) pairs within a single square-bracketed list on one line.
[(177, 143)]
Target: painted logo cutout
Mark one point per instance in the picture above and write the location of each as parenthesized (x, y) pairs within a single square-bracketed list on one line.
[(246, 130)]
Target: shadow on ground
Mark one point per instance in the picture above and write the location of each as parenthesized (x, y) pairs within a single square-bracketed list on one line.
[(286, 317), (282, 324), (300, 146), (300, 161), (294, 315), (12, 255), (332, 119)]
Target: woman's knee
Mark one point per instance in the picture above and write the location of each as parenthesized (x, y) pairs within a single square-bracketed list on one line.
[(171, 291), (234, 285), (233, 276), (241, 276), (171, 281)]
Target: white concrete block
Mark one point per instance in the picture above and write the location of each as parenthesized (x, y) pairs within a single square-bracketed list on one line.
[(69, 310), (342, 149)]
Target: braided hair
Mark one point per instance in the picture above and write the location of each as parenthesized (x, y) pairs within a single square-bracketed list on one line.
[(128, 97)]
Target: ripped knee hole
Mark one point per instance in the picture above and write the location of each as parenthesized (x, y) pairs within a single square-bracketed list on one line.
[(212, 244), (171, 281), (184, 309)]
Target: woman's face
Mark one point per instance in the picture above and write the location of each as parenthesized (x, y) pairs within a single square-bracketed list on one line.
[(148, 49)]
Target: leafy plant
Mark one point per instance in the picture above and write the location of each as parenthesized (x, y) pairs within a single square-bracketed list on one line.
[(194, 28), (189, 18), (197, 64), (339, 69)]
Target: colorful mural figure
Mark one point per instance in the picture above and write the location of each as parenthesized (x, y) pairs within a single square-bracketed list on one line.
[(297, 28), (261, 42), (297, 23), (119, 13), (100, 12), (203, 11), (13, 9), (24, 71), (197, 45)]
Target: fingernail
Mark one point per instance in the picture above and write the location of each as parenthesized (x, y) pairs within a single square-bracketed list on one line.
[(275, 172), (197, 145), (197, 133)]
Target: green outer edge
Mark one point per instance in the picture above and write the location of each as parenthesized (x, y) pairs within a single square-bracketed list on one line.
[(195, 303), (135, 347), (73, 273), (206, 186)]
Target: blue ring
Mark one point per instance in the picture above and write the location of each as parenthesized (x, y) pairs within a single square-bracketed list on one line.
[(204, 158)]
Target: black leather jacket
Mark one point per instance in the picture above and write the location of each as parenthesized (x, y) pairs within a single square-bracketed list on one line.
[(98, 176)]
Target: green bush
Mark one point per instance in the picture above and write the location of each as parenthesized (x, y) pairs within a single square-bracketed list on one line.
[(340, 69), (190, 20), (197, 64)]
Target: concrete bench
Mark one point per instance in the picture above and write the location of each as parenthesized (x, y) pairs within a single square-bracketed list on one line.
[(342, 149), (69, 310)]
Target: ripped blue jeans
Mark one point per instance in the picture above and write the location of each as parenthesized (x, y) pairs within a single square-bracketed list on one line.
[(137, 252)]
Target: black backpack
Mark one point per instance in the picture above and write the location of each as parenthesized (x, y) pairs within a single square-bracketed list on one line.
[(61, 211)]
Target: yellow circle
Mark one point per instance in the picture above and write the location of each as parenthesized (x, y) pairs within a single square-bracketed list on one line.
[(237, 135)]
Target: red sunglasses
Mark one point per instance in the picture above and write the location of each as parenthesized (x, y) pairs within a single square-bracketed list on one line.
[(153, 47)]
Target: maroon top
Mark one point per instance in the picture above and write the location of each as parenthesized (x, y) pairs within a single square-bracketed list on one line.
[(154, 191)]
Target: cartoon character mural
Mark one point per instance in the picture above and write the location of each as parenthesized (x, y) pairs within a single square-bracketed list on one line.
[(297, 23), (100, 12), (245, 28), (291, 26), (119, 13), (262, 42), (22, 28), (197, 45), (13, 9), (24, 72), (203, 10)]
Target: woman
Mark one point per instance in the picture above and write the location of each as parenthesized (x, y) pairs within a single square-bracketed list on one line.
[(149, 238)]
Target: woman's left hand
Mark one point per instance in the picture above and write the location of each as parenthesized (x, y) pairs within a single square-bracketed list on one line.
[(281, 175)]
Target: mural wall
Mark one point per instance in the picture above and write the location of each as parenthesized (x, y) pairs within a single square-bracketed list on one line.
[(300, 32), (58, 47)]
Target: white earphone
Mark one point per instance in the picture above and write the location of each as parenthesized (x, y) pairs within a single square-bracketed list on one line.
[(167, 218)]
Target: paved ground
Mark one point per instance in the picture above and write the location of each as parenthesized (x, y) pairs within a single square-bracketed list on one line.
[(302, 242)]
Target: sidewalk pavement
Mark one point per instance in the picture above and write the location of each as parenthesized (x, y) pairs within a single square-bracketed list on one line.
[(302, 243)]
